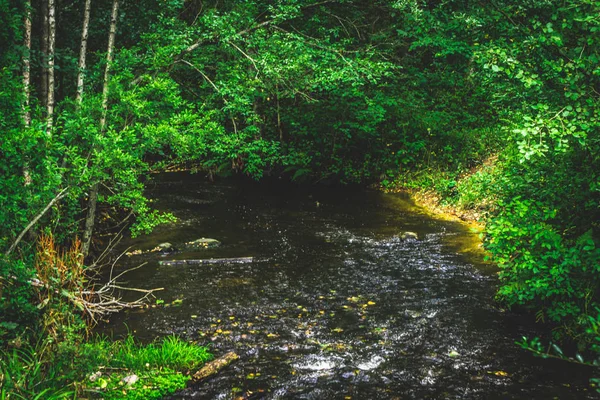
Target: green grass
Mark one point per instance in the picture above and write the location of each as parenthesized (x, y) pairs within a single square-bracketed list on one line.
[(161, 367), (25, 375)]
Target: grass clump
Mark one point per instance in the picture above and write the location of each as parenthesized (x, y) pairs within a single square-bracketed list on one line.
[(100, 367)]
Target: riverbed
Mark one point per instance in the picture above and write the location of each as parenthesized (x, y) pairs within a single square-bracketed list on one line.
[(336, 305)]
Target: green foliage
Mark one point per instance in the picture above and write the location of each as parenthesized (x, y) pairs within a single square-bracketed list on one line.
[(17, 300), (494, 106), (541, 269), (24, 374), (38, 373), (171, 352), (159, 366)]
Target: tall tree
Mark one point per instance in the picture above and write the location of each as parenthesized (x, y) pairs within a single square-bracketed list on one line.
[(27, 64), (51, 51), (44, 51), (83, 50), (93, 196), (27, 81)]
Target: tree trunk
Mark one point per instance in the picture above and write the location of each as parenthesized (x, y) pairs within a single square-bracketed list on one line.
[(44, 49), (51, 45), (27, 65), (89, 220), (27, 82), (93, 198), (83, 49), (109, 59)]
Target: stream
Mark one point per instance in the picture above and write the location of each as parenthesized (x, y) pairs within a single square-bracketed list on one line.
[(335, 304)]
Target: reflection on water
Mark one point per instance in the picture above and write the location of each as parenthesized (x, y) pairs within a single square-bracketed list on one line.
[(335, 305)]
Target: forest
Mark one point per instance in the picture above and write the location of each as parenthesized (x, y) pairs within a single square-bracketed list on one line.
[(492, 108)]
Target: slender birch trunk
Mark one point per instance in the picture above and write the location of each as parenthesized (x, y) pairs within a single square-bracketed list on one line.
[(83, 50), (93, 197), (27, 81), (27, 65), (109, 60), (51, 45), (44, 49)]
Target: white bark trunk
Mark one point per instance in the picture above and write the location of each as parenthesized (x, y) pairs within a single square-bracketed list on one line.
[(109, 60), (93, 198), (27, 65), (83, 50), (89, 220), (44, 48), (51, 45), (27, 82)]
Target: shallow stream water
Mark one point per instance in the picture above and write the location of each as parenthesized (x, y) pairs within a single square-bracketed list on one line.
[(335, 305)]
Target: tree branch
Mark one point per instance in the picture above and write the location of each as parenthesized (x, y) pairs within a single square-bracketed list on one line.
[(36, 219)]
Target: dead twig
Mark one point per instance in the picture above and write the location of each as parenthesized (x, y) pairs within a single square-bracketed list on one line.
[(59, 196)]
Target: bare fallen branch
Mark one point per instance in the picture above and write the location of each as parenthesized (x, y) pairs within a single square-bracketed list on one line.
[(59, 196), (235, 260), (215, 366)]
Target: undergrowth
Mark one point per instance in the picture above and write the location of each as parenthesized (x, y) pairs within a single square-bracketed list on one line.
[(100, 367)]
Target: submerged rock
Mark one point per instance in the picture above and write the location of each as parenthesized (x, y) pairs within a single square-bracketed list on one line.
[(409, 236), (203, 243), (165, 247)]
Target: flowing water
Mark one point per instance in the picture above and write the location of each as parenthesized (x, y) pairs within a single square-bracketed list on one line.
[(335, 305)]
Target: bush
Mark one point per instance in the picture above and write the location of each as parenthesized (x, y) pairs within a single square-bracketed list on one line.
[(544, 271)]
